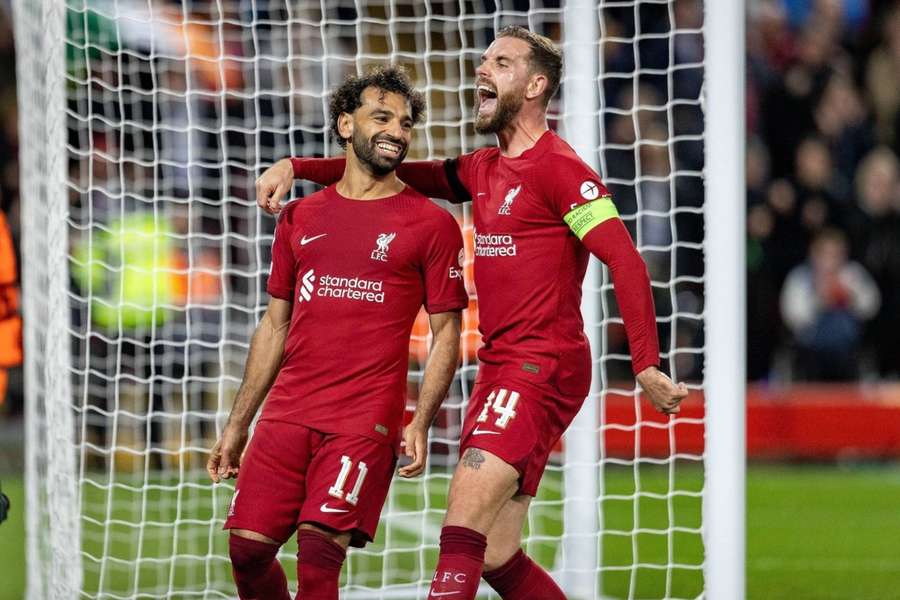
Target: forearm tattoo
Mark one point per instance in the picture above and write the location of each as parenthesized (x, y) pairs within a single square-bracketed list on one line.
[(473, 458)]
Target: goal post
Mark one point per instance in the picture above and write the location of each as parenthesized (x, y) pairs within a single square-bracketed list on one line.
[(582, 518), (143, 126), (725, 385), (52, 483)]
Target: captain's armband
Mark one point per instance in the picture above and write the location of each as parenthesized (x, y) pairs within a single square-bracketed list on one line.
[(582, 219)]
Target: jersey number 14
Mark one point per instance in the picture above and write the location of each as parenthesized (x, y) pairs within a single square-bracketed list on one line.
[(503, 402)]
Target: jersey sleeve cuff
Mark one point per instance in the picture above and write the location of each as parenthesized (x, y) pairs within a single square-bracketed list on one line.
[(433, 309), (282, 293), (643, 363), (297, 164)]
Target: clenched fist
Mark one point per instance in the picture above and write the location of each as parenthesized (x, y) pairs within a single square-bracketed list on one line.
[(273, 185)]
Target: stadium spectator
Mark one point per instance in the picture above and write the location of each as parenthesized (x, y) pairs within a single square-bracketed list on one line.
[(843, 124), (762, 281), (820, 191), (825, 303), (876, 231), (882, 81)]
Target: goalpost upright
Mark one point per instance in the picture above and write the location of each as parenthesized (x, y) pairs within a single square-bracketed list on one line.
[(581, 514), (52, 496), (725, 306)]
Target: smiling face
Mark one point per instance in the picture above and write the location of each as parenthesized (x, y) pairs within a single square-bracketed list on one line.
[(379, 130), (501, 82)]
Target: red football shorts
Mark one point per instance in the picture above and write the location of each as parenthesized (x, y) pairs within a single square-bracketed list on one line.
[(520, 423), (291, 474)]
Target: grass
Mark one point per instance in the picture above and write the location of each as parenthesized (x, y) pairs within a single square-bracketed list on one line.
[(814, 533)]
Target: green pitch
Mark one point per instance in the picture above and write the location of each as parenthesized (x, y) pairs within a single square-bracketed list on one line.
[(816, 533)]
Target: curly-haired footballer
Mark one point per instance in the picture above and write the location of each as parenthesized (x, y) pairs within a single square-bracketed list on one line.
[(351, 265)]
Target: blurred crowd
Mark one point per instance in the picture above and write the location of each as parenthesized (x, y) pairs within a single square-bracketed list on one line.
[(823, 189), (823, 182)]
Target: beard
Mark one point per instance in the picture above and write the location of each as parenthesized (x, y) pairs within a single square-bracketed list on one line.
[(508, 106), (367, 153)]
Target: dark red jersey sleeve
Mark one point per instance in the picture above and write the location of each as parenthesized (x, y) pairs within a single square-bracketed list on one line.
[(443, 265), (431, 178), (569, 183), (284, 269), (461, 174), (323, 171), (609, 241)]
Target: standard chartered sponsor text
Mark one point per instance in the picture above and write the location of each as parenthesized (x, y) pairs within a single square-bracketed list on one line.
[(351, 288), (494, 244)]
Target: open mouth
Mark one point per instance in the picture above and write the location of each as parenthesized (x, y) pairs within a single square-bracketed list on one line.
[(389, 148), (487, 98)]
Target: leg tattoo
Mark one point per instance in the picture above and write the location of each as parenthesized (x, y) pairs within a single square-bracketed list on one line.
[(473, 458)]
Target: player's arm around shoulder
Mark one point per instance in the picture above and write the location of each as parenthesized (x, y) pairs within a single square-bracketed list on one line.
[(273, 185), (276, 182), (263, 361)]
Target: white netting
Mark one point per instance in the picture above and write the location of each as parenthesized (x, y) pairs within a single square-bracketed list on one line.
[(144, 214)]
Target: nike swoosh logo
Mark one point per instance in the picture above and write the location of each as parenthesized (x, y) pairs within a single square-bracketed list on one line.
[(477, 431), (439, 594), (305, 240), (327, 509), (482, 194)]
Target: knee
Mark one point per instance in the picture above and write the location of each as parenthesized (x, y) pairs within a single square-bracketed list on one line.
[(247, 554), (319, 550)]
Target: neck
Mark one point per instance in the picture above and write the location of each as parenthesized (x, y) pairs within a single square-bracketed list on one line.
[(359, 183), (522, 133)]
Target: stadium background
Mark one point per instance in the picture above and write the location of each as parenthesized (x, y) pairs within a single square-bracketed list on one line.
[(823, 116)]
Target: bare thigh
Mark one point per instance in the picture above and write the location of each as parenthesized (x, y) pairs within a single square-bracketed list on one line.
[(481, 485)]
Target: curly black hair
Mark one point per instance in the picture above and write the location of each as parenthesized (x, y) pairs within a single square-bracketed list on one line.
[(348, 97)]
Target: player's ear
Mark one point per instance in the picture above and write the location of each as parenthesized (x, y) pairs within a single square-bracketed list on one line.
[(537, 85), (345, 125)]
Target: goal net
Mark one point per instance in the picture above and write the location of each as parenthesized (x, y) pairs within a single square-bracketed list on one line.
[(144, 124)]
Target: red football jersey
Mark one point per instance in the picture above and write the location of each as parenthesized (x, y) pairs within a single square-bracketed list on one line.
[(529, 266), (357, 272)]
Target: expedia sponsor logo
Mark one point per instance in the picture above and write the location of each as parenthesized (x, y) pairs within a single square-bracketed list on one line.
[(493, 244), (457, 273), (333, 286)]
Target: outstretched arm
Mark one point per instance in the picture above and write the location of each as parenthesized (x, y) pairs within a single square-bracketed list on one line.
[(609, 241), (597, 224), (263, 362), (430, 178), (442, 360)]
